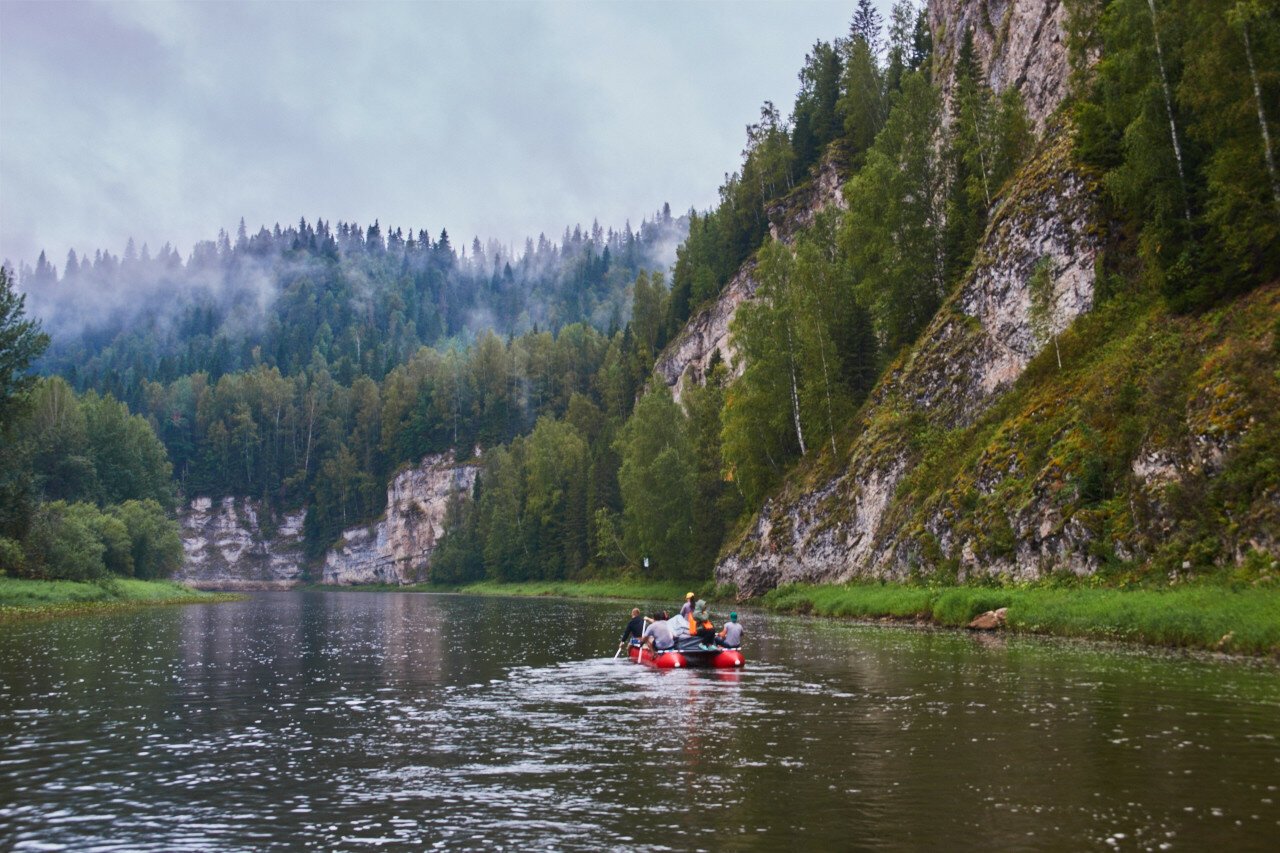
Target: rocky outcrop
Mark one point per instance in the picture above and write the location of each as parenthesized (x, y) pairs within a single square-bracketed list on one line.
[(397, 549), (1020, 43), (705, 338), (976, 347), (234, 544)]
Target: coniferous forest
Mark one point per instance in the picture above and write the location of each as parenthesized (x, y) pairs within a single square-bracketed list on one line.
[(304, 366)]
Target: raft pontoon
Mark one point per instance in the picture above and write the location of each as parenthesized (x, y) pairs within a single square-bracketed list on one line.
[(687, 658)]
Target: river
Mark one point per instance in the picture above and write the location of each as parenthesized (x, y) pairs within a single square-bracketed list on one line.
[(359, 721)]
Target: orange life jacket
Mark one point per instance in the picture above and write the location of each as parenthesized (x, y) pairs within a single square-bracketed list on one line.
[(693, 624)]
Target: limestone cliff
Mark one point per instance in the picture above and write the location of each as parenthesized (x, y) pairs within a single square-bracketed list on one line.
[(397, 549), (1021, 43), (705, 336), (234, 544)]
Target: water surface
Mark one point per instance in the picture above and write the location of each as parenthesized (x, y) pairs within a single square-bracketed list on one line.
[(356, 721)]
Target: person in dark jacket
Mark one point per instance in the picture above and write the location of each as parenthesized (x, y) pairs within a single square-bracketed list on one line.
[(635, 627)]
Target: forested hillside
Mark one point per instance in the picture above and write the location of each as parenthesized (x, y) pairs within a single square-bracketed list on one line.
[(265, 364), (1093, 398), (355, 299)]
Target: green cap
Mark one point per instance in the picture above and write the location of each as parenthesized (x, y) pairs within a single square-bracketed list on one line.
[(733, 617)]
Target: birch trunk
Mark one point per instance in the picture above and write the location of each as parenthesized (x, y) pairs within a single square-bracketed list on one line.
[(1168, 107), (795, 392), (1262, 116)]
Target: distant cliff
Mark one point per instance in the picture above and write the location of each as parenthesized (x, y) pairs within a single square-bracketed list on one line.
[(689, 356), (234, 544), (397, 549), (231, 545)]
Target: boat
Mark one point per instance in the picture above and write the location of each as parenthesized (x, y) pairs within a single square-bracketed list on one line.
[(687, 658)]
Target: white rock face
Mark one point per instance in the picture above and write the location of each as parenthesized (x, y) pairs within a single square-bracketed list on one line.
[(397, 550), (688, 357), (1020, 43), (227, 547)]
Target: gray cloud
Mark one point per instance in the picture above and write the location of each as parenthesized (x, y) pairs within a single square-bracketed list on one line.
[(166, 122)]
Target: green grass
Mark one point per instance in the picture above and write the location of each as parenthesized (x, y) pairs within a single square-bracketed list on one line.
[(20, 598), (1245, 621)]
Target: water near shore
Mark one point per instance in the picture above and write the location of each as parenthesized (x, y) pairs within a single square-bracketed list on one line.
[(351, 721)]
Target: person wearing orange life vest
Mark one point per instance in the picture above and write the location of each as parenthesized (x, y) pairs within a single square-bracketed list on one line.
[(700, 624)]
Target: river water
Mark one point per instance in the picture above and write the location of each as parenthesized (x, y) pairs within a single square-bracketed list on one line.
[(359, 721)]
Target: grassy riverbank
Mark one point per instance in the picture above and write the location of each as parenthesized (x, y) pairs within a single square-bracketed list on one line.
[(22, 599), (1245, 621)]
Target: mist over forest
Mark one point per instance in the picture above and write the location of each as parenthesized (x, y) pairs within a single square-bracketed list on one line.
[(359, 298)]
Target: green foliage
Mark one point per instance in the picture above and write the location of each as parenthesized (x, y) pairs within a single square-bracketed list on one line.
[(717, 501), (1177, 118), (458, 557), (21, 343), (91, 449), (64, 542), (154, 541), (658, 480), (892, 235), (989, 138), (12, 559), (79, 541), (808, 353)]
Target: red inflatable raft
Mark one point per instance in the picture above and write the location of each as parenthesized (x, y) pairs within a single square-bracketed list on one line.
[(687, 658)]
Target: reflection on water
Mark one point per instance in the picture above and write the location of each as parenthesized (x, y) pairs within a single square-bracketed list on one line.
[(350, 721)]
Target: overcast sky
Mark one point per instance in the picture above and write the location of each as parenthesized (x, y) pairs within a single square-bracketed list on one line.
[(168, 121)]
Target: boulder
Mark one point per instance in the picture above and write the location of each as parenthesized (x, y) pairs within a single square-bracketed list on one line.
[(992, 620)]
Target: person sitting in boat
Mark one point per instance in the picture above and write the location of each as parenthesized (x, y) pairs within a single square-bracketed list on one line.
[(687, 607), (730, 637), (679, 625), (657, 634), (634, 628), (700, 624)]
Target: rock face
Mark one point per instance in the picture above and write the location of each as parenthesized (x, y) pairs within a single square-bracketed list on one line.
[(229, 547), (397, 550), (976, 347), (1021, 43), (706, 337)]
